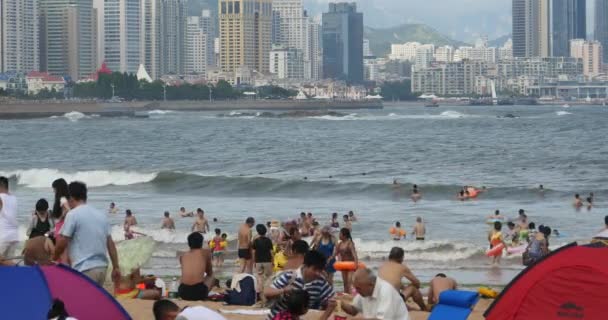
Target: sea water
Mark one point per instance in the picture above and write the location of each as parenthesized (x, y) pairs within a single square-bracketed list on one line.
[(236, 166)]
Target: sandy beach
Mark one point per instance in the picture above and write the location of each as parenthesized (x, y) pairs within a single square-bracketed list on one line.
[(142, 310)]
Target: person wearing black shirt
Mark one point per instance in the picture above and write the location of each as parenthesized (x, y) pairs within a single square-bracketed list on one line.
[(262, 254)]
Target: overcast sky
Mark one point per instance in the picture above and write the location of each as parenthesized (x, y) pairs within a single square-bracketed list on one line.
[(460, 19)]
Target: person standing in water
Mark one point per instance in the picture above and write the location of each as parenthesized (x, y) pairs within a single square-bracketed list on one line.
[(200, 225), (419, 229), (352, 217), (113, 209), (61, 207), (334, 221), (495, 238), (577, 203), (416, 195), (168, 223), (347, 224), (326, 244), (397, 233), (130, 221), (345, 251)]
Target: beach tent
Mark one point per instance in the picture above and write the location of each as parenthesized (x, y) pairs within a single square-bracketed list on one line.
[(29, 293), (570, 283), (454, 305)]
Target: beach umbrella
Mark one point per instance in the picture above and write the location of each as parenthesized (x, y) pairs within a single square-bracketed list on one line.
[(29, 293), (133, 254)]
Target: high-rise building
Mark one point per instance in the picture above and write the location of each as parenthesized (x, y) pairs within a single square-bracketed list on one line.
[(315, 49), (506, 51), (196, 47), (591, 52), (245, 34), (99, 5), (286, 63), (444, 54), (68, 37), (290, 28), (209, 27), (150, 38), (568, 22), (122, 35), (367, 51), (173, 35), (19, 30), (601, 25), (343, 42), (531, 28), (406, 51)]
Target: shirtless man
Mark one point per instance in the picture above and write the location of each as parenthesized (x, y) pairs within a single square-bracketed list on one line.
[(352, 217), (419, 229), (438, 285), (416, 194), (38, 251), (347, 223), (304, 224), (182, 213), (394, 270), (244, 246), (130, 221), (168, 223), (578, 203), (201, 225), (197, 270)]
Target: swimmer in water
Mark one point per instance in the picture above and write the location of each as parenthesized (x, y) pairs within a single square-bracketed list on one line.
[(347, 224), (351, 216), (334, 221), (419, 229), (496, 216), (461, 195), (168, 223), (577, 203), (589, 203), (416, 194), (113, 209), (541, 189), (182, 213), (397, 232)]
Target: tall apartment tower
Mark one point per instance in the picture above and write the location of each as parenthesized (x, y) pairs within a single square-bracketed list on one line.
[(531, 28), (290, 24), (245, 34), (568, 22), (150, 37), (343, 42), (591, 53), (209, 27), (601, 25), (122, 35), (19, 40), (173, 35), (68, 37), (315, 48), (196, 47)]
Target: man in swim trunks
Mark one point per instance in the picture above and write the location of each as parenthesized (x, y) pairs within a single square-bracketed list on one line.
[(394, 270), (244, 246), (438, 285), (577, 203), (200, 225), (168, 223), (197, 270), (419, 229)]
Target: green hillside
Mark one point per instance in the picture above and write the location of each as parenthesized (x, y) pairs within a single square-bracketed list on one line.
[(380, 40)]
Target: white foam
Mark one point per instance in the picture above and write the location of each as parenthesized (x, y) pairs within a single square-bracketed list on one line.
[(74, 116), (562, 113), (43, 178), (430, 250), (160, 112), (451, 114), (160, 235)]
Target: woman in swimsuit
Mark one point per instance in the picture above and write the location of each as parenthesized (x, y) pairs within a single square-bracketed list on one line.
[(326, 244), (334, 220), (345, 251)]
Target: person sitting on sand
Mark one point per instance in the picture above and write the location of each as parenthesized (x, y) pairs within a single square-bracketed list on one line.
[(126, 287), (394, 270), (577, 203), (201, 224), (397, 233), (165, 310), (182, 213), (419, 229), (438, 285), (297, 303), (298, 249), (377, 299), (168, 223), (416, 195), (38, 251), (347, 223), (197, 270), (308, 278)]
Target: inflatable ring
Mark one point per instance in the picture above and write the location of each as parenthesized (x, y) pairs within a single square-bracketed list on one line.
[(473, 193), (348, 266), (496, 251)]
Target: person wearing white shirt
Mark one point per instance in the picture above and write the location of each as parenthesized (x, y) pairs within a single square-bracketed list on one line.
[(377, 299), (8, 221)]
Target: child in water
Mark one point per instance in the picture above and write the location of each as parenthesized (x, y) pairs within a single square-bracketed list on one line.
[(495, 238)]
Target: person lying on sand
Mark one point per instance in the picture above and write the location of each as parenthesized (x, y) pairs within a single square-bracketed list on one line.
[(197, 270), (126, 287), (438, 285), (394, 270)]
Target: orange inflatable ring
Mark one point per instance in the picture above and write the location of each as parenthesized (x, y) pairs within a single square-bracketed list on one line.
[(348, 266), (473, 193)]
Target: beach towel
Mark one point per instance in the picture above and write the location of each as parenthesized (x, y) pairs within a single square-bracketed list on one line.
[(454, 305)]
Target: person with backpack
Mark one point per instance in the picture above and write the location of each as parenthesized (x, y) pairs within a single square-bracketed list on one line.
[(41, 222), (308, 278)]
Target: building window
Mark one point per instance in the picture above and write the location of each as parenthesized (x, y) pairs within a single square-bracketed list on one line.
[(223, 7)]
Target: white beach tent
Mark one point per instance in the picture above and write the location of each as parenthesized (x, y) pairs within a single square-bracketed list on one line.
[(142, 74)]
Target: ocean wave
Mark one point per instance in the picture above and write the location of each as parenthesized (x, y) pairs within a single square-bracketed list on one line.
[(160, 235), (43, 178), (160, 112), (75, 116), (562, 113)]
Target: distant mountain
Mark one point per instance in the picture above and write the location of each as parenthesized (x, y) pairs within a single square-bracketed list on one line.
[(500, 41), (380, 39)]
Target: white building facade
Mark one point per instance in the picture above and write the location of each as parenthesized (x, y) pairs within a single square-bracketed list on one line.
[(122, 35), (19, 36), (196, 47)]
